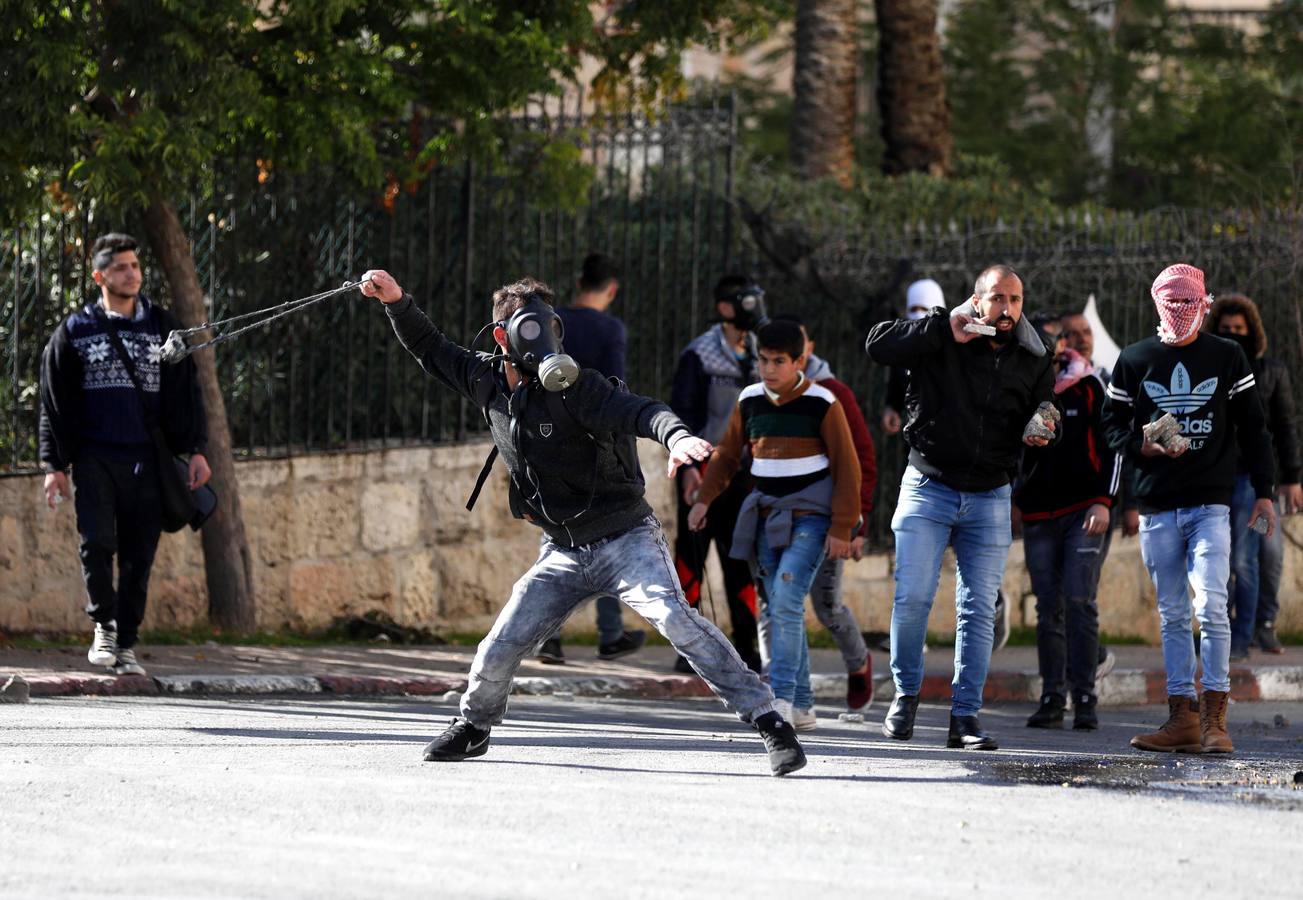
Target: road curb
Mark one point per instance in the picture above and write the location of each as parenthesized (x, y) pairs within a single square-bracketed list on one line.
[(1121, 688)]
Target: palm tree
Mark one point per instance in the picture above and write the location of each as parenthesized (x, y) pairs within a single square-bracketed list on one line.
[(911, 88), (823, 117)]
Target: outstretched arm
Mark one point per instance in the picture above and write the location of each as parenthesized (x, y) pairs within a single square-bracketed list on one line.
[(465, 372)]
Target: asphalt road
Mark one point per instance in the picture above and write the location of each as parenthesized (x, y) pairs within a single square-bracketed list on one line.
[(303, 798)]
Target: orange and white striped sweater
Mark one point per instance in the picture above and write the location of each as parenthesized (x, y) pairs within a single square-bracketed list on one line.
[(796, 439)]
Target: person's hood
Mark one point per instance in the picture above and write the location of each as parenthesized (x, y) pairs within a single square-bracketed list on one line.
[(1024, 331), (817, 368)]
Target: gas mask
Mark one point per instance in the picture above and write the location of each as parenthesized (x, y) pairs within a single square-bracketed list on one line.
[(534, 334), (748, 304)]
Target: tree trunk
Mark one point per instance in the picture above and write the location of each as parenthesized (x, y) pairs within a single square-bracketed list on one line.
[(823, 117), (226, 548), (912, 88)]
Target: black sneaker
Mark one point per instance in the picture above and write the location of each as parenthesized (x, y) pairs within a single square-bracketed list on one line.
[(1239, 654), (1264, 638), (1050, 713), (628, 642), (785, 753), (1084, 717), (550, 652), (462, 740)]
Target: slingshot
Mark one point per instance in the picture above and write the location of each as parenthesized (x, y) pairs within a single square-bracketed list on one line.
[(177, 348)]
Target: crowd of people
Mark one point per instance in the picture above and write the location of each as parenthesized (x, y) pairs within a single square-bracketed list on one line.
[(1008, 423)]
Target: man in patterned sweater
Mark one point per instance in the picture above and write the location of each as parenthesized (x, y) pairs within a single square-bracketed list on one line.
[(93, 421), (805, 503)]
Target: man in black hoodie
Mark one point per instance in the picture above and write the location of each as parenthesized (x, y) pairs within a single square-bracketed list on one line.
[(968, 406), (566, 436), (94, 421)]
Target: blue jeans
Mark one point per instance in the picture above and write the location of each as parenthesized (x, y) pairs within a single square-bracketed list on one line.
[(635, 566), (787, 574), (1183, 549), (1246, 545), (1064, 564), (929, 516)]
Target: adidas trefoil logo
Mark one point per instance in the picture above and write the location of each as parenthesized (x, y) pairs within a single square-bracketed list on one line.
[(1181, 398)]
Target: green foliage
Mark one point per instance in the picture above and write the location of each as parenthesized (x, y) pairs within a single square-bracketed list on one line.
[(1178, 111), (138, 99)]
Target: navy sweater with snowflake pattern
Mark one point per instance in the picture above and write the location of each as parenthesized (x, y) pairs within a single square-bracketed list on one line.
[(1209, 388), (88, 402)]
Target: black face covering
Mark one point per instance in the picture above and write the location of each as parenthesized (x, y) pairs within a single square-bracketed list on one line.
[(1246, 342), (748, 308), (534, 334)]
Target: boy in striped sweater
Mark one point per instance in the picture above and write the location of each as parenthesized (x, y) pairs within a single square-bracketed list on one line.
[(804, 506)]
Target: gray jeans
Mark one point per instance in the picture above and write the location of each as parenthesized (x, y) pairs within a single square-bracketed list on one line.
[(634, 566), (832, 613)]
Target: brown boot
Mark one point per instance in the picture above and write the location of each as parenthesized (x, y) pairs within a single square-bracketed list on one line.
[(1179, 734), (1212, 723)]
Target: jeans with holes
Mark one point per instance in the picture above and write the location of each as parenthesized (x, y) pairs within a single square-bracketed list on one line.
[(929, 516), (1184, 549), (1246, 546), (832, 613), (635, 566), (1064, 564), (787, 573)]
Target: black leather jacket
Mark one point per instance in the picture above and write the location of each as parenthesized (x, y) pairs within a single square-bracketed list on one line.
[(1272, 376)]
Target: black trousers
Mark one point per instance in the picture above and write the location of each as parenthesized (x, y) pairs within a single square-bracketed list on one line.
[(118, 514), (690, 550)]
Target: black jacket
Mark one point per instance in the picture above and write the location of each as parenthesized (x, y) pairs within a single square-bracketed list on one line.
[(1081, 469), (1278, 403), (567, 474), (967, 404), (73, 418)]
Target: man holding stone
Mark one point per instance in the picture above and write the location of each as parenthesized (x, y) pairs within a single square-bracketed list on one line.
[(977, 378)]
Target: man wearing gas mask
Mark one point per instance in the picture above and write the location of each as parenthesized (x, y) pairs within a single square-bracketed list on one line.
[(567, 437), (978, 379), (711, 373)]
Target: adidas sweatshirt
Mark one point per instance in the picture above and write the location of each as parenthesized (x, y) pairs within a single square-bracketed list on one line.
[(1210, 389), (797, 439)]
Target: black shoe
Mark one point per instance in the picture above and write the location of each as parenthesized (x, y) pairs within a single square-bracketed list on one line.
[(550, 652), (785, 753), (1239, 654), (626, 643), (966, 733), (899, 723), (462, 740), (1264, 638), (683, 666), (1084, 717), (1050, 713)]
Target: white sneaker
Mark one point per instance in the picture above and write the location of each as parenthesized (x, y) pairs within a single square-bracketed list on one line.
[(127, 665), (804, 719), (104, 649), (784, 709)]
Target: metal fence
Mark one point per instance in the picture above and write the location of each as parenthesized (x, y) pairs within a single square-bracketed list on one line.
[(661, 203)]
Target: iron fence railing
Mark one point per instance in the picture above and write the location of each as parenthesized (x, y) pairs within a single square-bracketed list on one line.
[(660, 202)]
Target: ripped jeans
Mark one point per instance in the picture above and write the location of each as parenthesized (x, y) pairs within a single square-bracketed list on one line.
[(786, 574), (635, 566)]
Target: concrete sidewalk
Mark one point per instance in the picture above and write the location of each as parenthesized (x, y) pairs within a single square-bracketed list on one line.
[(381, 669)]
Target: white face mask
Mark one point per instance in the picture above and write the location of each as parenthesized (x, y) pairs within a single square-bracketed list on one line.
[(917, 312)]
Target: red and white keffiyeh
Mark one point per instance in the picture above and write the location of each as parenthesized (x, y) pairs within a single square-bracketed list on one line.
[(1182, 302)]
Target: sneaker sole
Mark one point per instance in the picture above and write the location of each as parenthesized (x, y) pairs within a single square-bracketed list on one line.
[(960, 745), (806, 729), (456, 757), (789, 768)]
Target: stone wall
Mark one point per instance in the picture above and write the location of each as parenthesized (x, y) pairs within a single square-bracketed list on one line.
[(388, 530)]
